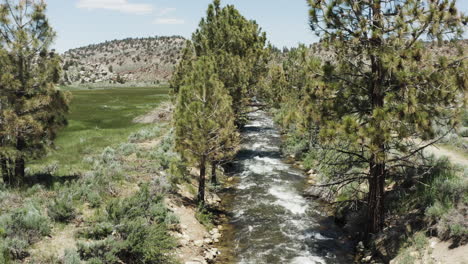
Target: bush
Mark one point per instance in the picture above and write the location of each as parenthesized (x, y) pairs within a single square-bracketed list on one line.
[(21, 228), (97, 231), (61, 209), (145, 134), (133, 230), (71, 257), (204, 217), (108, 155), (30, 222), (127, 149), (94, 199)]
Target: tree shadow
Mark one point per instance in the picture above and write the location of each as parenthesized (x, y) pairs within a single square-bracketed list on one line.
[(48, 180)]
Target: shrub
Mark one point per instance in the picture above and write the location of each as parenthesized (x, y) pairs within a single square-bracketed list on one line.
[(28, 222), (127, 149), (94, 199), (204, 217), (21, 228), (145, 134), (71, 257), (97, 231), (133, 230), (104, 251), (61, 209), (108, 155)]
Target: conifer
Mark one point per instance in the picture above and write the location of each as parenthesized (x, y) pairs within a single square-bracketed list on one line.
[(32, 108), (382, 88), (204, 122)]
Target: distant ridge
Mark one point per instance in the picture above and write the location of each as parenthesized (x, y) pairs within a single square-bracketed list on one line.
[(136, 60)]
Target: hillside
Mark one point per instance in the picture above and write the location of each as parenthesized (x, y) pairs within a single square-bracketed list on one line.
[(137, 60)]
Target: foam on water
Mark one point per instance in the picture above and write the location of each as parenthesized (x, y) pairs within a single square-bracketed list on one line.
[(308, 260), (289, 199)]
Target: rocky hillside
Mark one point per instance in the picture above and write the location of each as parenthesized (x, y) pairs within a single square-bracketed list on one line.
[(136, 60)]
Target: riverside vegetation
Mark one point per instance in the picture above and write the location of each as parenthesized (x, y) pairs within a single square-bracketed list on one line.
[(358, 115)]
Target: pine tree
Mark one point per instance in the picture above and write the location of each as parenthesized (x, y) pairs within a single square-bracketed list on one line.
[(182, 69), (204, 122), (32, 109), (382, 88), (239, 46)]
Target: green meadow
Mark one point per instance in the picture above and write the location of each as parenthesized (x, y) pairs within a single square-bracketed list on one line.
[(99, 118)]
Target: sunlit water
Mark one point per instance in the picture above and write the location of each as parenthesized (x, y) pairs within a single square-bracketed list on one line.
[(271, 221)]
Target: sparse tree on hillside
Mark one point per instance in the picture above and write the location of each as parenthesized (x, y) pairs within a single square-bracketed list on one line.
[(32, 109), (204, 121), (382, 88)]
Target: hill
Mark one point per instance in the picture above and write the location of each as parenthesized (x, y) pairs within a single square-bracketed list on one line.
[(137, 60)]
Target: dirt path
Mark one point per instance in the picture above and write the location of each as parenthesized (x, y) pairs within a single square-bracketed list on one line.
[(453, 156)]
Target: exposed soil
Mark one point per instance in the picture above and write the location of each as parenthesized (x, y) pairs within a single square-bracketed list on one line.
[(160, 114)]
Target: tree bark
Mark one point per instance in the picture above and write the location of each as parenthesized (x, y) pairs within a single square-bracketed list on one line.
[(5, 171), (201, 183), (214, 179), (19, 171), (375, 210), (19, 164)]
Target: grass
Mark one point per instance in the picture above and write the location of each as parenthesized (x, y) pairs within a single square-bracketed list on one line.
[(99, 118), (118, 199)]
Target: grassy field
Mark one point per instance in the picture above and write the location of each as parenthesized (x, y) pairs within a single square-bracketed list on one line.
[(98, 118)]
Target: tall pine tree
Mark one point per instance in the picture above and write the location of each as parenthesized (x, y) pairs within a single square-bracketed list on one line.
[(383, 88), (204, 121), (32, 109), (239, 47)]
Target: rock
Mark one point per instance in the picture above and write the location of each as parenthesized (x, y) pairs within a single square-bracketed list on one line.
[(183, 242), (220, 227), (311, 172), (208, 241), (214, 231), (360, 247), (216, 236), (230, 179), (198, 243), (367, 259), (183, 226)]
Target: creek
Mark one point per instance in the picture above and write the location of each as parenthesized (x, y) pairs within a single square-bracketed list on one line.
[(271, 221)]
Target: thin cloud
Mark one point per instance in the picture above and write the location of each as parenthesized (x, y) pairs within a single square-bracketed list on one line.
[(169, 21), (164, 11), (117, 5)]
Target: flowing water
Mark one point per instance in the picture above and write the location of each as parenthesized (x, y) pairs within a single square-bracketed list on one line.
[(271, 221)]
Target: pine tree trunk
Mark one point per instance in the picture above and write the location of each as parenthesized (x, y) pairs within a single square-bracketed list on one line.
[(5, 171), (214, 179), (19, 164), (375, 210), (201, 183), (19, 171)]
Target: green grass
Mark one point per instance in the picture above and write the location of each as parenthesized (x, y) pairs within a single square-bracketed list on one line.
[(99, 118)]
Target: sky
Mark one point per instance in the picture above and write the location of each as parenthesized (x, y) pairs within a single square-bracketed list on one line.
[(82, 22)]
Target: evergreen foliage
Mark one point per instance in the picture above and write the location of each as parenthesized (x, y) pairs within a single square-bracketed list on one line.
[(239, 47), (383, 89), (32, 109), (204, 121)]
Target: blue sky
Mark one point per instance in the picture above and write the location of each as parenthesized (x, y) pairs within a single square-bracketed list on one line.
[(83, 22)]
